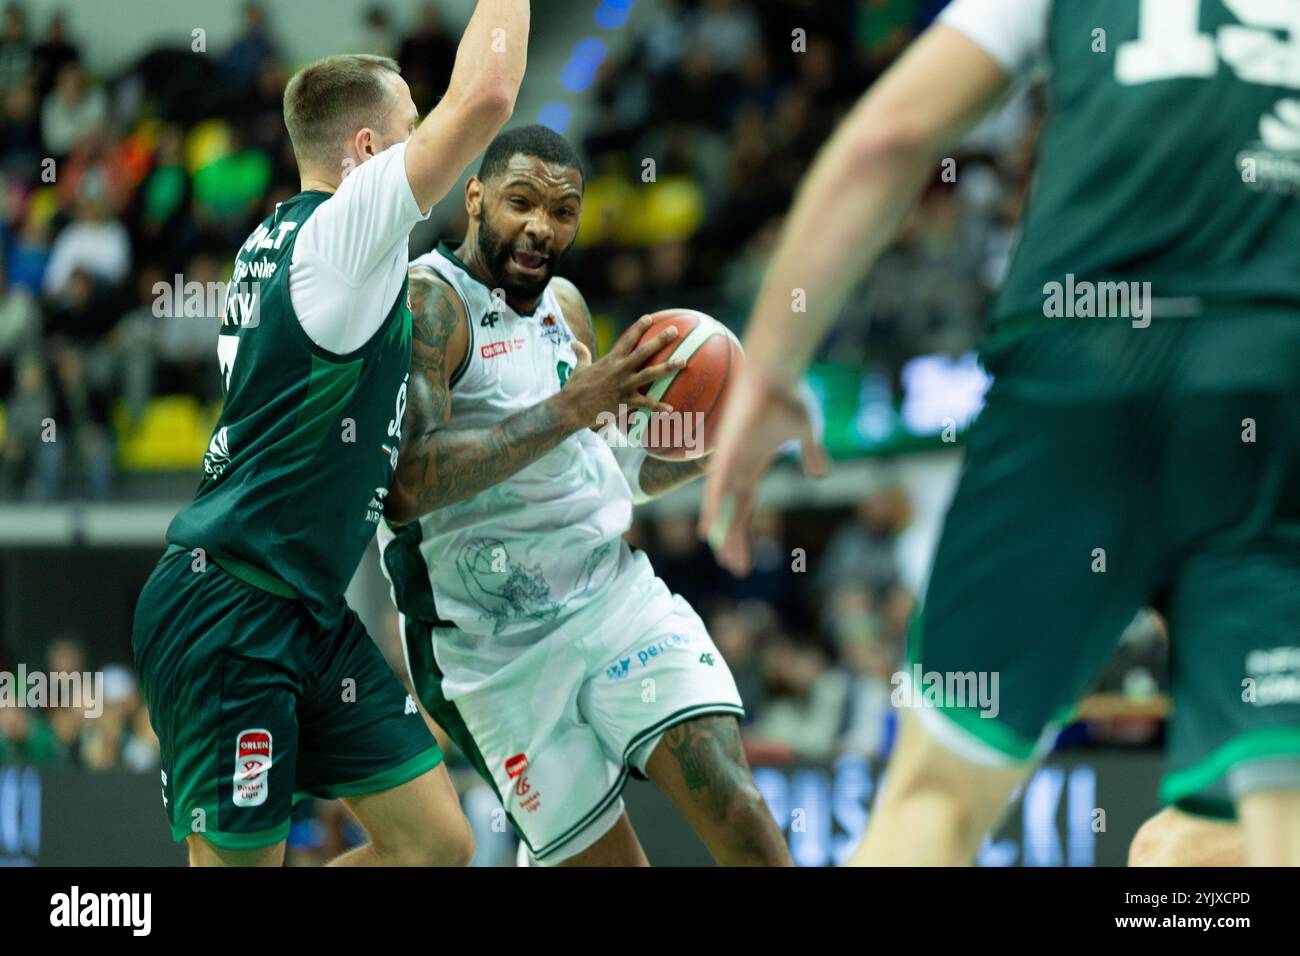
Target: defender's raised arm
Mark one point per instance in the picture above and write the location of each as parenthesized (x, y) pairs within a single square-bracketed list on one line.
[(489, 67)]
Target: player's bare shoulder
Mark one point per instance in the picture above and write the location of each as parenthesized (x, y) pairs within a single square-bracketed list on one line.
[(439, 323)]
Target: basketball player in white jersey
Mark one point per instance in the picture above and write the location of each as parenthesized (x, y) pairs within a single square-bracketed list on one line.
[(534, 635)]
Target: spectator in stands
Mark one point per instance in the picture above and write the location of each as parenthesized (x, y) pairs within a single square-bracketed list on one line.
[(862, 551), (67, 655), (138, 334), (253, 47), (94, 242), (186, 344), (15, 48), (739, 632), (51, 55), (140, 753), (29, 464), (80, 345), (26, 738), (103, 167), (377, 34), (21, 130), (728, 33), (164, 197), (28, 253), (72, 110), (426, 58), (20, 328), (869, 644), (665, 37), (229, 190), (773, 578), (260, 121), (107, 740), (805, 701)]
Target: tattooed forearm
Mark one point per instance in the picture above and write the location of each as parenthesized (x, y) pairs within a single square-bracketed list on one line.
[(659, 477), (439, 466), (457, 463)]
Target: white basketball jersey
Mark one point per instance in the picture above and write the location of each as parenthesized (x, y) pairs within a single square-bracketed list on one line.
[(507, 564)]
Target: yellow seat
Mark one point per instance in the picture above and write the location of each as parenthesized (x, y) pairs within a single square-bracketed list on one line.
[(171, 435)]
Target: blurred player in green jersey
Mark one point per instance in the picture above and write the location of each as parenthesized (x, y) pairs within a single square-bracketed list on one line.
[(1140, 444)]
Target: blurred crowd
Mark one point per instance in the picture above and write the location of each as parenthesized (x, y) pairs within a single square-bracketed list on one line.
[(703, 129), (96, 734), (113, 184), (694, 138)]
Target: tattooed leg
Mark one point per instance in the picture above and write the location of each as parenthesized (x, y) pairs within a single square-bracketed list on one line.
[(700, 766)]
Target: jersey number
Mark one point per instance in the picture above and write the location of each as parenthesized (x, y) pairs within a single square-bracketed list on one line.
[(1170, 43)]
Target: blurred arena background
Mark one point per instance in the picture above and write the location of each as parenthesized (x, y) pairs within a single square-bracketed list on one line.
[(163, 122)]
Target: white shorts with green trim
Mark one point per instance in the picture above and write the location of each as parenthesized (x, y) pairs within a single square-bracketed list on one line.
[(561, 725)]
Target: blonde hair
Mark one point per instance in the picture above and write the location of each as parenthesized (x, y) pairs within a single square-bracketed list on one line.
[(327, 101)]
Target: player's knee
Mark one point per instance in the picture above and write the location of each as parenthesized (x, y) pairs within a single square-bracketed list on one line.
[(946, 810), (452, 846), (1150, 846), (441, 843)]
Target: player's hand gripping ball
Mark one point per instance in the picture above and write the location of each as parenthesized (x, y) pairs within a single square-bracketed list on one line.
[(697, 392)]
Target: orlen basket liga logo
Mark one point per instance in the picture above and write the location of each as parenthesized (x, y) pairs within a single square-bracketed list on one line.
[(516, 770), (252, 767)]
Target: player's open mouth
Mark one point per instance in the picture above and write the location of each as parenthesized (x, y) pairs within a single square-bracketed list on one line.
[(528, 261)]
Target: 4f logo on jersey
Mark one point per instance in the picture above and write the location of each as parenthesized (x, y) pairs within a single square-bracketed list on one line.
[(517, 770), (252, 767)]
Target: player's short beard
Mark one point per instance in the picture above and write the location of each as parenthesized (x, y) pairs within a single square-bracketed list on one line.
[(494, 251)]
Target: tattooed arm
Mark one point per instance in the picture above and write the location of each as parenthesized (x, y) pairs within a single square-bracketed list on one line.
[(659, 477), (656, 476), (439, 466)]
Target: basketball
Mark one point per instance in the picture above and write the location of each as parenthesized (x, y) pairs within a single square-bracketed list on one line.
[(697, 392)]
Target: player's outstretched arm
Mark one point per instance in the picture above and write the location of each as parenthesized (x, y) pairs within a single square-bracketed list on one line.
[(439, 466), (847, 210), (480, 98), (654, 476)]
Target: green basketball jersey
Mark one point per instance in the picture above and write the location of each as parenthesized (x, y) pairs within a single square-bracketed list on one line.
[(301, 458), (1171, 154)]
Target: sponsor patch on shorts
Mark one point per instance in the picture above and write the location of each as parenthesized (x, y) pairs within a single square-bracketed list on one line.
[(644, 655), (252, 767)]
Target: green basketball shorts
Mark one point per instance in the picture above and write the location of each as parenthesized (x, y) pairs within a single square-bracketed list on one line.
[(1114, 468), (255, 707)]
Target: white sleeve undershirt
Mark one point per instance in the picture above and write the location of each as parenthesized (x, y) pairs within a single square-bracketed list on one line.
[(350, 257), (1013, 32)]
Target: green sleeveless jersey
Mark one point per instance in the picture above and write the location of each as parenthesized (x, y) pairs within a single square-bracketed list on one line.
[(302, 455), (1171, 154)]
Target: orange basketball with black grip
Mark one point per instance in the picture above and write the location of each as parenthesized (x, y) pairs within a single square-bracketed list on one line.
[(697, 392)]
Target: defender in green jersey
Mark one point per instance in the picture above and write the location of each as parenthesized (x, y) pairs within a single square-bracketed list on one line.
[(1140, 444), (261, 682)]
